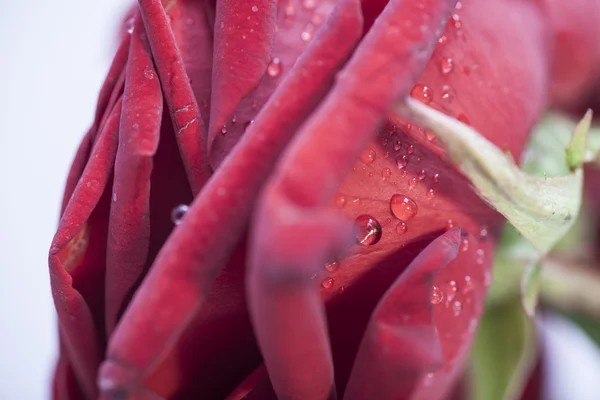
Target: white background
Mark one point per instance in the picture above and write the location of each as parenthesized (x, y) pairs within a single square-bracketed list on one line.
[(53, 59)]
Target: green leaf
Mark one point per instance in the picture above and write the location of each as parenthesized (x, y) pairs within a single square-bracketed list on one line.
[(504, 353), (530, 288), (542, 209), (577, 147)]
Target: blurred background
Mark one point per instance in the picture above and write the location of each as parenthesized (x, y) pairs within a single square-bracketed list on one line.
[(53, 59)]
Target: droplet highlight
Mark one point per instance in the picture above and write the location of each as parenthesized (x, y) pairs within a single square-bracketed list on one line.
[(368, 156), (437, 296), (327, 283), (422, 93), (178, 213), (274, 68), (403, 207)]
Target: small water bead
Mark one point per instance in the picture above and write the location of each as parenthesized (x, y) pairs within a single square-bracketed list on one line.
[(368, 156), (370, 174), (443, 39), (437, 296), (449, 225), (274, 68), (410, 150), (422, 93), (465, 245), (233, 120), (468, 284), (421, 175), (340, 200), (457, 308), (254, 9), (403, 207), (327, 283), (451, 290), (224, 129), (401, 162), (386, 173), (459, 6), (448, 93), (412, 182), (446, 66), (130, 25), (430, 194), (178, 213), (367, 230), (384, 141), (397, 145), (483, 231), (401, 228), (436, 178), (480, 256), (332, 266), (456, 21), (430, 136), (307, 33)]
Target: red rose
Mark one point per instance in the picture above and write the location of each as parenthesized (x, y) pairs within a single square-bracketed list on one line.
[(254, 114)]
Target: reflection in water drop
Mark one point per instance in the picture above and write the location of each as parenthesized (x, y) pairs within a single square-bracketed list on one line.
[(178, 213), (367, 230), (327, 283), (422, 93), (436, 295), (403, 207), (368, 156)]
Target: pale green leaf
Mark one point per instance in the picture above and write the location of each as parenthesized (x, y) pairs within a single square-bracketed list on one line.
[(504, 353), (530, 288), (577, 147), (542, 209)]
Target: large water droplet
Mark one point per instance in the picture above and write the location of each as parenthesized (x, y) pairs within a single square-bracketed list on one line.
[(367, 230), (437, 296), (446, 66), (422, 93), (274, 68), (368, 156), (327, 283), (403, 207), (178, 213), (130, 25)]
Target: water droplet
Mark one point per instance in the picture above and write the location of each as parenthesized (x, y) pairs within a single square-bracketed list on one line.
[(448, 93), (430, 193), (446, 66), (224, 129), (386, 173), (254, 9), (340, 200), (483, 231), (451, 290), (368, 156), (247, 124), (178, 213), (410, 150), (233, 120), (130, 25), (114, 196), (401, 162), (274, 68), (468, 284), (465, 245), (480, 256), (148, 73), (459, 6), (436, 295), (332, 266), (384, 141), (397, 145), (456, 21), (367, 230), (463, 118), (422, 93), (457, 308), (307, 33), (430, 136), (327, 283), (449, 225), (436, 178), (401, 228), (403, 207), (412, 182), (443, 39), (421, 175)]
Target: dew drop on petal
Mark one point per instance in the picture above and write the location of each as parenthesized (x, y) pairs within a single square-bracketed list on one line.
[(437, 296), (430, 193), (274, 68), (401, 228), (468, 284), (233, 120), (457, 308), (178, 213), (421, 175), (446, 66), (397, 145), (436, 178), (340, 200), (332, 266), (422, 93), (307, 33), (483, 231), (410, 150), (412, 182), (386, 173), (465, 245), (480, 256), (327, 283), (130, 25), (368, 156), (254, 9), (224, 129), (401, 162), (449, 225), (430, 136), (448, 93), (367, 230), (403, 207), (451, 290), (443, 39)]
